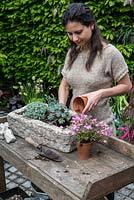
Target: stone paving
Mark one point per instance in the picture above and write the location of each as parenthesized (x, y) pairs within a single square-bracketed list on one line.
[(14, 178)]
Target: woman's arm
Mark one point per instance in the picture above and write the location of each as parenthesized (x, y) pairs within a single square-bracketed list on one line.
[(123, 86), (63, 91)]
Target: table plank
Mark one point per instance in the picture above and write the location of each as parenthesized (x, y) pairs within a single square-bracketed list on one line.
[(120, 146), (72, 179)]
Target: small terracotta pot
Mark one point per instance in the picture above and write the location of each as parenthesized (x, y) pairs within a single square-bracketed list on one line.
[(79, 104), (84, 150)]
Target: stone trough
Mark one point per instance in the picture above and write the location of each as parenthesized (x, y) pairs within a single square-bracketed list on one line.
[(41, 132)]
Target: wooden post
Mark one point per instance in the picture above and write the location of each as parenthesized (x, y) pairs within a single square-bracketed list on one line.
[(2, 176)]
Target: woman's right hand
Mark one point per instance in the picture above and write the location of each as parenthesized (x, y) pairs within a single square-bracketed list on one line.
[(93, 99)]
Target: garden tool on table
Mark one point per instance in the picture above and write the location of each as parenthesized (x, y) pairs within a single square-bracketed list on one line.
[(45, 153)]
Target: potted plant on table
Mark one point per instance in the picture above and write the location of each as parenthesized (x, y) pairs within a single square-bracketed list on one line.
[(86, 131)]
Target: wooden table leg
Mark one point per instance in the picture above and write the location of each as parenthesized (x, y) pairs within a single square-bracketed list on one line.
[(2, 176)]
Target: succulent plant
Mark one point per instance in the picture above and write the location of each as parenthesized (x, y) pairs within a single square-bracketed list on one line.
[(52, 112), (58, 114), (35, 110), (50, 99)]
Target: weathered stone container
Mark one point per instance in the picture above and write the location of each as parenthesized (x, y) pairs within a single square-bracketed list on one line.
[(41, 132), (3, 119)]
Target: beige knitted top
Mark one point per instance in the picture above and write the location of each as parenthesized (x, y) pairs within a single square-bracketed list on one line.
[(108, 67)]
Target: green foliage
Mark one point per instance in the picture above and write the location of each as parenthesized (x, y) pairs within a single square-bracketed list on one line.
[(112, 16), (3, 103), (128, 52), (33, 40), (58, 114), (125, 121), (119, 103), (36, 110), (84, 136), (3, 59), (52, 113), (116, 23), (31, 91)]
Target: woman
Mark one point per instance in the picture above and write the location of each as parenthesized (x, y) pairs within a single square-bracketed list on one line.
[(92, 65)]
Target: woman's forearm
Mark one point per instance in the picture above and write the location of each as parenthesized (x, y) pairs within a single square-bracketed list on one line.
[(114, 91), (63, 92), (122, 87), (63, 95)]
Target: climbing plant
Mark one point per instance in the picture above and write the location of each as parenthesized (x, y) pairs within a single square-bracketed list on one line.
[(33, 41)]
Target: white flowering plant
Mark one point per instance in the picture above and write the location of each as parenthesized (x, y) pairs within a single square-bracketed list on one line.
[(31, 91), (86, 129)]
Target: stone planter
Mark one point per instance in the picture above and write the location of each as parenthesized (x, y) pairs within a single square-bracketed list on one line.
[(41, 132), (3, 119), (3, 116)]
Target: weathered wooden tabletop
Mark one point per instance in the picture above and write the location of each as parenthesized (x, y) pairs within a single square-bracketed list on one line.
[(73, 179)]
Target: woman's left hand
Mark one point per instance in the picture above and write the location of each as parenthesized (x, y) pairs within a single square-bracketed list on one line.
[(123, 85), (93, 99)]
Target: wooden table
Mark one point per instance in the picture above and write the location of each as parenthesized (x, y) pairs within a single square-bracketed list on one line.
[(73, 179)]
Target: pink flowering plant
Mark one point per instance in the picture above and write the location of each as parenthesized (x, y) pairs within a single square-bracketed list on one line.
[(127, 134), (125, 122), (86, 129)]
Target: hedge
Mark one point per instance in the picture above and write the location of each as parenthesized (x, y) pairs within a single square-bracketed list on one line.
[(33, 41)]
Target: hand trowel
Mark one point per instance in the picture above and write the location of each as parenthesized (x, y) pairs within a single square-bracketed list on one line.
[(45, 151)]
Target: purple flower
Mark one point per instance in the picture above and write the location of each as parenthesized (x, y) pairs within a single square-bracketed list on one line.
[(127, 134), (88, 127), (85, 128)]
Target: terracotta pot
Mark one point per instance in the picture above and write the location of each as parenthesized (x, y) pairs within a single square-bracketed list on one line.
[(79, 104), (84, 150)]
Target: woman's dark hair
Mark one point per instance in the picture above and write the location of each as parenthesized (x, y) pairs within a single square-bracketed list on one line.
[(79, 12)]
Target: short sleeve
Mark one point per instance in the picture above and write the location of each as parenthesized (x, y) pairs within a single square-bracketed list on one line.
[(119, 67), (64, 70)]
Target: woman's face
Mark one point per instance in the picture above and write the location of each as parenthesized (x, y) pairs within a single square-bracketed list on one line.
[(78, 33)]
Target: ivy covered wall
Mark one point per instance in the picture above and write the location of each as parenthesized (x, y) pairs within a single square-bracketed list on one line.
[(33, 41)]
